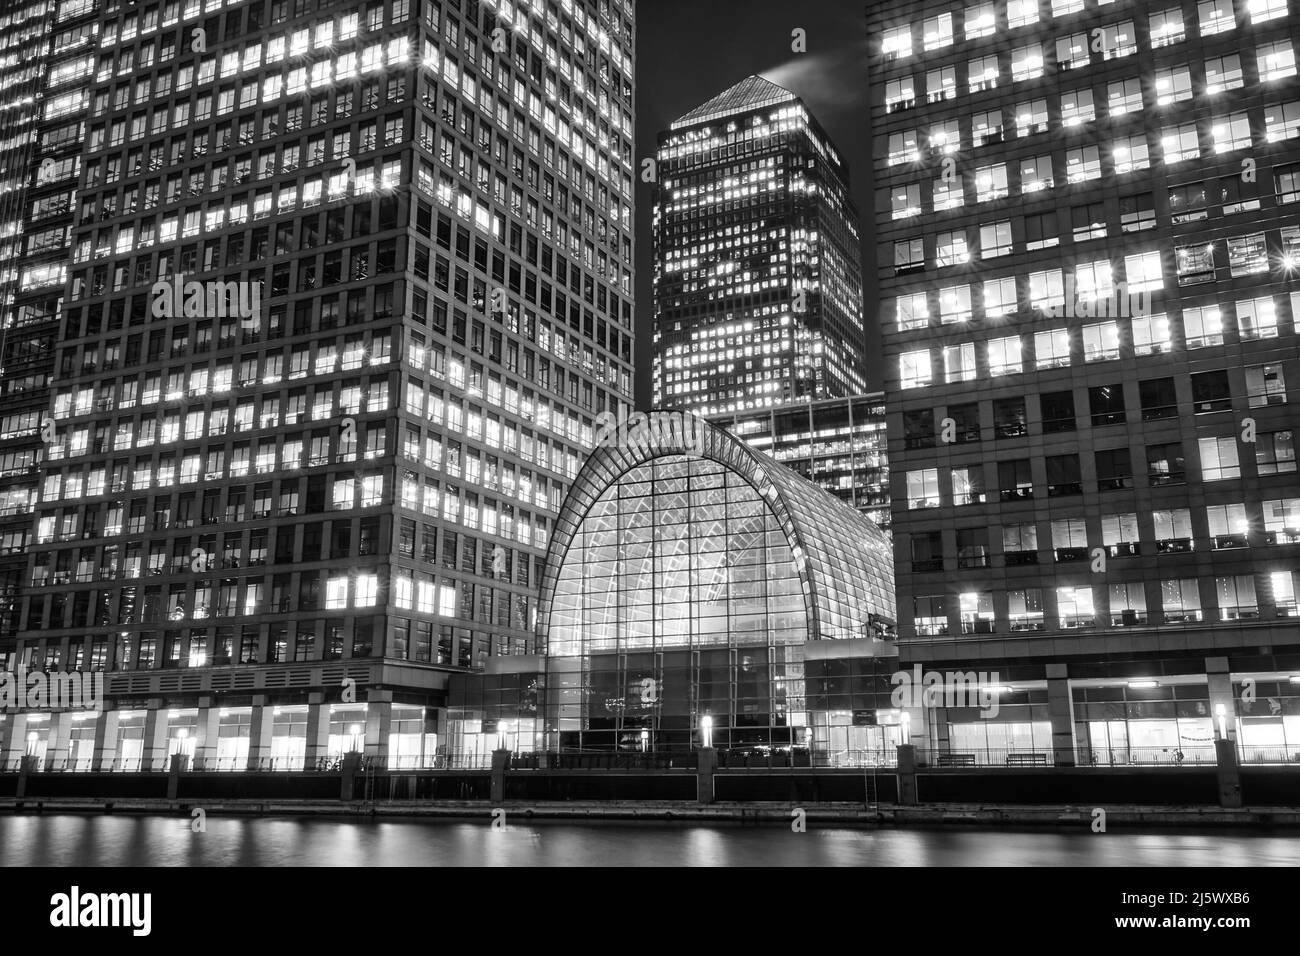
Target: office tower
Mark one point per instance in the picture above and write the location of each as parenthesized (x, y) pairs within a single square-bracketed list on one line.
[(45, 61), (348, 285), (839, 443), (757, 285), (1088, 229)]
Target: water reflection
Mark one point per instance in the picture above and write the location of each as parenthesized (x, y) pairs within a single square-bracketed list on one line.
[(81, 840)]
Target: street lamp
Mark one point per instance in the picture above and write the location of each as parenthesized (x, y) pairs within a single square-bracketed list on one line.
[(645, 740), (32, 738), (503, 729), (906, 720), (706, 730), (1221, 712), (355, 731)]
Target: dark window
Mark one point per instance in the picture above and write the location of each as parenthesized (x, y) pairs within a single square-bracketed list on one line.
[(1158, 398), (972, 548), (966, 418), (927, 551), (1114, 469), (1009, 419), (1165, 464), (1106, 404), (1210, 392), (1058, 411), (918, 429), (1015, 479), (1063, 475)]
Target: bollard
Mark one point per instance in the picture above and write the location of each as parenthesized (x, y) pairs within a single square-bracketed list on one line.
[(907, 775), (1229, 773), (500, 763), (351, 766), (704, 775)]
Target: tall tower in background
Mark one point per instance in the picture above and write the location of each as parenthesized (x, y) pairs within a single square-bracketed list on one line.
[(339, 290), (1089, 234), (757, 285)]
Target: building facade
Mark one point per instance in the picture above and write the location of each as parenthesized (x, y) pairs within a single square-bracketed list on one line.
[(757, 284), (344, 290), (837, 443), (1088, 235), (691, 576)]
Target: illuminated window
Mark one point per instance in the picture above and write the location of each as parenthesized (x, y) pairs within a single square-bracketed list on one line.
[(1021, 13), (1143, 272), (936, 32), (1257, 318), (1231, 132), (945, 136), (1150, 334), (1262, 11), (940, 84), (1100, 342), (1052, 348), (1276, 61), (1004, 356), (1124, 96), (1077, 108), (982, 74), (995, 240), (950, 249), (980, 21), (922, 488), (336, 593), (1219, 458), (1236, 596), (1282, 121), (1167, 27), (990, 182), (1223, 73), (1215, 16), (1072, 52), (900, 94), (1130, 154), (913, 311), (954, 304), (907, 201), (897, 43), (1248, 255), (1075, 608), (914, 369), (959, 362), (1128, 604), (1031, 117), (1082, 164), (902, 148), (1000, 297)]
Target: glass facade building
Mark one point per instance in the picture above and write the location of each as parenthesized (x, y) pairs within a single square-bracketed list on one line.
[(687, 577), (237, 506), (757, 284), (837, 443), (1088, 235)]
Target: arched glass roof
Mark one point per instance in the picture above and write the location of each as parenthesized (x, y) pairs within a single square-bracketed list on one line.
[(845, 563)]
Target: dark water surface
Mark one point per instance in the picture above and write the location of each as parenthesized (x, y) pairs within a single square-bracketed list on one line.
[(97, 840)]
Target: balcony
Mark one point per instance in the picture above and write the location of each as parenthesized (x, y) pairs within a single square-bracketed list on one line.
[(1070, 554), (1125, 549), (1173, 545), (1223, 541)]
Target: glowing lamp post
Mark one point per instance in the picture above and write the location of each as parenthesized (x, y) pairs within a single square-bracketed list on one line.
[(906, 719), (1221, 713), (706, 730), (355, 732)]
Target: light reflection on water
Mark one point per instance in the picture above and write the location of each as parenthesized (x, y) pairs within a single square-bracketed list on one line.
[(86, 840)]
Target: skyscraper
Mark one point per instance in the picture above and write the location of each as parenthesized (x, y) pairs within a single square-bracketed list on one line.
[(46, 58), (346, 288), (757, 285), (1088, 235)]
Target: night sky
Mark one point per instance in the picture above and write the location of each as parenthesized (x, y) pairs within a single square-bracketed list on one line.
[(690, 50)]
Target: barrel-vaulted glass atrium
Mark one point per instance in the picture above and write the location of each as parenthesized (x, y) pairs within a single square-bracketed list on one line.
[(686, 575)]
